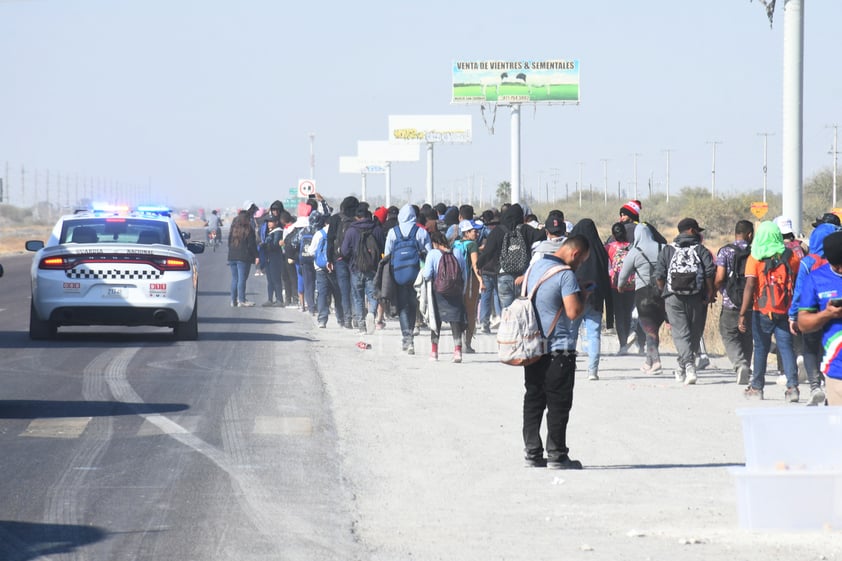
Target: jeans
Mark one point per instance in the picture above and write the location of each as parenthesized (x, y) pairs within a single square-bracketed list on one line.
[(593, 335), (308, 276), (763, 328), (343, 277), (738, 345), (239, 276), (506, 289), (407, 304), (362, 289), (489, 298), (327, 286), (549, 386)]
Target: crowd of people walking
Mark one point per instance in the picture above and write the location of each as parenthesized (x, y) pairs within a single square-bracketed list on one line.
[(434, 267)]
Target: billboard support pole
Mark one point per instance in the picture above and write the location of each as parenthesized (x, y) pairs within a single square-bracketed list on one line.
[(515, 181), (430, 173), (388, 184), (793, 111)]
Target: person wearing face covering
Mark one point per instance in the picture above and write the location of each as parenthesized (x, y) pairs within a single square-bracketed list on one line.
[(820, 310), (770, 265), (593, 273)]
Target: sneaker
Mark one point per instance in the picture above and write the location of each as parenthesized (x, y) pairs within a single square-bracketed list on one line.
[(564, 462), (234, 304), (348, 325), (802, 372), (495, 321), (486, 330), (279, 304), (362, 330), (743, 374), (792, 395), (817, 397), (457, 356), (690, 375), (534, 462), (369, 323), (752, 393), (267, 304), (702, 362), (434, 355), (410, 349), (593, 376), (624, 349), (246, 304), (781, 380), (468, 350), (322, 324), (679, 375), (380, 325)]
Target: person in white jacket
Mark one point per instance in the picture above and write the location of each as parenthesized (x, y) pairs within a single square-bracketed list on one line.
[(327, 284)]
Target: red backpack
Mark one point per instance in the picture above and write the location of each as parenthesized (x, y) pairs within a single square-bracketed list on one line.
[(614, 268), (776, 294)]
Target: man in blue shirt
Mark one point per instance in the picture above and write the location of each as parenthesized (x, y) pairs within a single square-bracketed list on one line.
[(549, 381), (820, 309)]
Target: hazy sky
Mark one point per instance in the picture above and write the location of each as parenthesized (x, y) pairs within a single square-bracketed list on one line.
[(212, 101)]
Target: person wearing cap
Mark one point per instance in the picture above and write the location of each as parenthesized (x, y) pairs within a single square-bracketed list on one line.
[(827, 218), (797, 247), (769, 245), (785, 226), (687, 312), (820, 310), (622, 294), (811, 348), (556, 230), (467, 245)]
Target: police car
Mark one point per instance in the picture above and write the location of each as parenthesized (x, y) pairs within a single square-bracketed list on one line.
[(115, 266)]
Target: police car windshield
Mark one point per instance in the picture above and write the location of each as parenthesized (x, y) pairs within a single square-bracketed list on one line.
[(114, 230)]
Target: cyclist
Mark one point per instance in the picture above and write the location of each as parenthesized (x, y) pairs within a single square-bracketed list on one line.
[(214, 224)]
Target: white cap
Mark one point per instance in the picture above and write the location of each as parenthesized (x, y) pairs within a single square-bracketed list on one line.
[(785, 225), (247, 204)]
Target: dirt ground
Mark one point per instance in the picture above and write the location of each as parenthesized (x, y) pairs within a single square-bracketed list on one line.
[(433, 454)]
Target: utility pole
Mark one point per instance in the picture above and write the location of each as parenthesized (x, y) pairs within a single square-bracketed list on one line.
[(579, 185), (312, 156), (835, 152), (605, 178), (765, 136), (635, 175), (668, 151), (713, 168)]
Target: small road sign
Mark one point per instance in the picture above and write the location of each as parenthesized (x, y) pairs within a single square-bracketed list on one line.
[(306, 187)]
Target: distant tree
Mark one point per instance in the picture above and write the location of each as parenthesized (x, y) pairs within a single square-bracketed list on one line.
[(504, 192)]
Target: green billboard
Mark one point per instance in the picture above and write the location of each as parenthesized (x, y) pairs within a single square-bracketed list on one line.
[(538, 81)]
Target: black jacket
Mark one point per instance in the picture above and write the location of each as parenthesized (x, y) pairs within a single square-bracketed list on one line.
[(489, 257)]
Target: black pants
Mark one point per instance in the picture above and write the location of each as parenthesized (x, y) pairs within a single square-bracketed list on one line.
[(549, 386), (623, 306)]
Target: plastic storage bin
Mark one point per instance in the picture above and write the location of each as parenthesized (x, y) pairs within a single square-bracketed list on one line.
[(794, 438), (789, 500)]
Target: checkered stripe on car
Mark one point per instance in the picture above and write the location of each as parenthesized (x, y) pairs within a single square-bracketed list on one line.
[(114, 274)]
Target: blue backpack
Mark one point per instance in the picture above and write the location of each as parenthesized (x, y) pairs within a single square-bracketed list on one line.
[(306, 238), (406, 259), (320, 256)]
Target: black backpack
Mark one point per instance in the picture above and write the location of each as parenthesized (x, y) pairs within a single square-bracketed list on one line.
[(515, 255), (344, 223), (367, 252), (735, 284)]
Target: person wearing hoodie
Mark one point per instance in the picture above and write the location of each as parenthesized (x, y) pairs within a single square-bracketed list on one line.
[(511, 220), (770, 316), (811, 350), (640, 262), (686, 304), (556, 231), (593, 273), (738, 344), (364, 303), (407, 298), (274, 267), (338, 224)]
